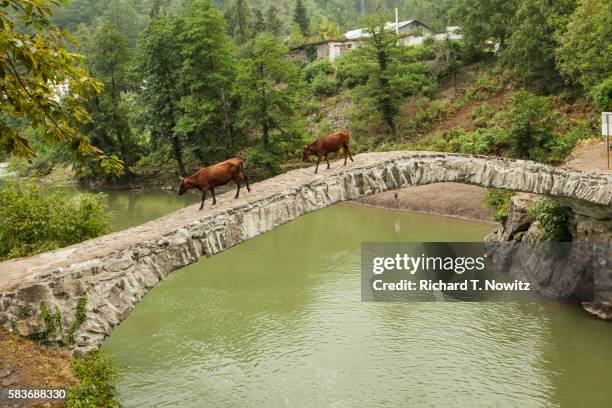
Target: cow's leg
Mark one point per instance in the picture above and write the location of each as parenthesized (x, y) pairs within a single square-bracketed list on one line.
[(237, 180), (327, 160), (203, 198), (212, 190), (318, 161), (348, 149), (345, 154)]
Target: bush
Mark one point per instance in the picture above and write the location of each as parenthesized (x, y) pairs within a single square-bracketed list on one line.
[(561, 145), (602, 95), (35, 220), (324, 85), (480, 141), (97, 379), (353, 70), (529, 123), (553, 219), (317, 68), (427, 114), (498, 200)]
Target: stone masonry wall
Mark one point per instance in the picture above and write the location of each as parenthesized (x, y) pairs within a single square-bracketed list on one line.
[(115, 271)]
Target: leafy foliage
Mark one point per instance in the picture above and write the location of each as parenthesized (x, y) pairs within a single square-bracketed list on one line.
[(34, 66), (316, 68), (602, 95), (484, 22), (268, 86), (585, 53), (206, 75), (498, 200), (300, 16), (97, 379), (34, 220), (536, 28), (553, 219), (109, 56), (529, 123), (159, 62)]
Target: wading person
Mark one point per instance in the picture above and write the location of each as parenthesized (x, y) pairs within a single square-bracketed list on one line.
[(396, 198)]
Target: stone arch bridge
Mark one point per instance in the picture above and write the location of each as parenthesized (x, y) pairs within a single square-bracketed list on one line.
[(115, 271)]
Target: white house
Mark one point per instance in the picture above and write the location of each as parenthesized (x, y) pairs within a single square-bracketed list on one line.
[(403, 28)]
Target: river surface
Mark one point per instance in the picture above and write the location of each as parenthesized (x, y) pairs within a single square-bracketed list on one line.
[(278, 322)]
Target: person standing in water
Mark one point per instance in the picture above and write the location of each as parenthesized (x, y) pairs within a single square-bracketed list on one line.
[(396, 198)]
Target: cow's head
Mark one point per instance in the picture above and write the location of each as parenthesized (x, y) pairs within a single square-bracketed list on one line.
[(184, 186), (306, 152)]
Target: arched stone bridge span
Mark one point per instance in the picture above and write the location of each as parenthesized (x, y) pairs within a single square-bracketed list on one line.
[(116, 270)]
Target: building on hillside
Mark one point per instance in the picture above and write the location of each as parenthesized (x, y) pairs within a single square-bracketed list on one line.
[(327, 49), (451, 33), (403, 28)]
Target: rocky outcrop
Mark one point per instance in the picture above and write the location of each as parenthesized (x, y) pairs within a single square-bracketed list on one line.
[(578, 271), (115, 271)]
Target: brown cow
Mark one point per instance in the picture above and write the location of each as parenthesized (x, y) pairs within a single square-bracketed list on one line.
[(213, 176), (328, 144)]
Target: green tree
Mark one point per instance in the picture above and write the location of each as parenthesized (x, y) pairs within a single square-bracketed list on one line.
[(268, 86), (380, 47), (239, 17), (159, 65), (484, 21), (532, 44), (585, 54), (295, 36), (109, 59), (300, 17), (327, 30), (273, 23), (42, 84), (530, 123), (206, 76)]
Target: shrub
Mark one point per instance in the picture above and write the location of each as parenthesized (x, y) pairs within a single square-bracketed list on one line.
[(35, 220), (312, 106), (553, 219), (97, 379), (427, 114), (324, 85), (561, 145), (602, 95), (480, 141), (482, 115), (498, 200), (529, 123), (486, 85), (353, 70), (317, 68)]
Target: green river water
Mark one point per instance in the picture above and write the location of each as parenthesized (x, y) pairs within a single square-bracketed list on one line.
[(278, 322)]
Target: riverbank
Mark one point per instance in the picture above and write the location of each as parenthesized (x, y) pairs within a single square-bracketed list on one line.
[(25, 364), (450, 199)]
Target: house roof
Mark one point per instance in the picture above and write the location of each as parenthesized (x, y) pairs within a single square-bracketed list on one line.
[(362, 32)]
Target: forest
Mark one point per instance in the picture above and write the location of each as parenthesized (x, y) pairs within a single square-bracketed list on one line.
[(195, 82)]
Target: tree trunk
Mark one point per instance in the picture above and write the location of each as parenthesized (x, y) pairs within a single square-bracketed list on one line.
[(266, 134), (178, 155)]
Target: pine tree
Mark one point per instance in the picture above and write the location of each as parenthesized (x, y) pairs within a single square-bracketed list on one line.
[(300, 16), (238, 16), (273, 23)]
